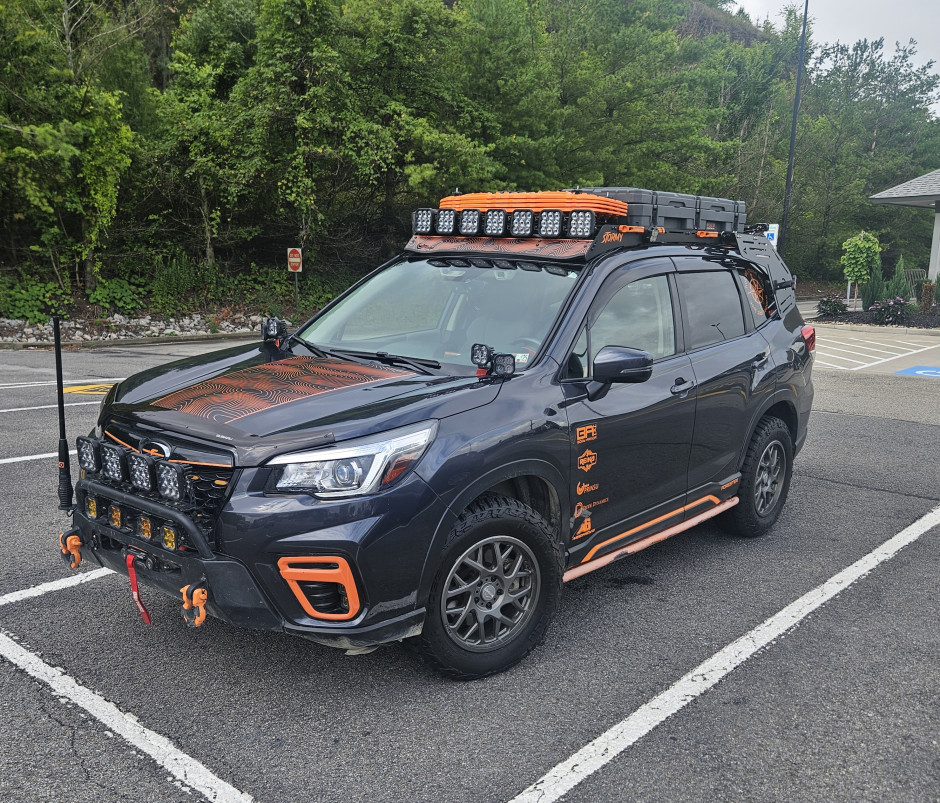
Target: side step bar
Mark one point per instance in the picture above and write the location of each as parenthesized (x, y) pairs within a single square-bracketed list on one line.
[(649, 540)]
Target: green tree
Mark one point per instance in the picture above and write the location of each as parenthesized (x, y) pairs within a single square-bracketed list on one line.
[(861, 257)]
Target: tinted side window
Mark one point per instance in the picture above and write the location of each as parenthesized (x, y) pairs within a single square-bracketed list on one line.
[(638, 316), (712, 307)]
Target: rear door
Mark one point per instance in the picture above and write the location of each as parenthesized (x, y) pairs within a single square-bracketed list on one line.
[(732, 366)]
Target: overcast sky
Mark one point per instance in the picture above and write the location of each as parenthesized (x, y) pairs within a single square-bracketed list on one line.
[(850, 20)]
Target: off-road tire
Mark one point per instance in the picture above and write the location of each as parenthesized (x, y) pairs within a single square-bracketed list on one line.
[(765, 480), (494, 532)]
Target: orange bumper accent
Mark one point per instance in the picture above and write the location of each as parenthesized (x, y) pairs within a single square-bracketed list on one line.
[(330, 569)]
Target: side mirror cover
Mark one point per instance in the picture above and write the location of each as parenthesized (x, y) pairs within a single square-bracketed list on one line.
[(621, 364)]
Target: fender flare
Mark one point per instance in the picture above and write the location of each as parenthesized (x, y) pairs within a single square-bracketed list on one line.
[(781, 395), (508, 471)]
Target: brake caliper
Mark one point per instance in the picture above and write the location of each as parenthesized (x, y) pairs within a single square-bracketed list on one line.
[(71, 544), (195, 597)]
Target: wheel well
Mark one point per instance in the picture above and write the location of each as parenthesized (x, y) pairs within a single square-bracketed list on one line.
[(786, 413), (533, 491)]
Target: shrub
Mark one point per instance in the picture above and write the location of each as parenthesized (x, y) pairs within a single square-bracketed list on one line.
[(874, 289), (118, 294), (928, 291), (890, 310), (31, 299), (833, 304), (898, 287)]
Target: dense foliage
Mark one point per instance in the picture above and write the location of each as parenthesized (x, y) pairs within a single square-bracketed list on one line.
[(164, 150)]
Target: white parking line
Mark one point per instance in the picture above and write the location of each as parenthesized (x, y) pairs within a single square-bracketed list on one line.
[(53, 585), (46, 407), (830, 365), (569, 773), (190, 771), (862, 344), (888, 359), (28, 457)]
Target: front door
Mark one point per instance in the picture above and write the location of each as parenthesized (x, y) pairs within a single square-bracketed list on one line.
[(630, 445)]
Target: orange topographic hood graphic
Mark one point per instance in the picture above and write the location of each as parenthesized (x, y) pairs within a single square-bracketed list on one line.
[(261, 387)]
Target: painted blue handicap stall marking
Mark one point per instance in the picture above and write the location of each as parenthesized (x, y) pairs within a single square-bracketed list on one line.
[(931, 371)]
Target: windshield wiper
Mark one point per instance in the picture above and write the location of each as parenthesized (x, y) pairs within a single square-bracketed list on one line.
[(322, 352), (420, 365)]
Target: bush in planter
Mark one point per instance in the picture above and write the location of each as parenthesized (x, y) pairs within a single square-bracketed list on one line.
[(928, 291), (893, 311), (833, 304), (874, 289)]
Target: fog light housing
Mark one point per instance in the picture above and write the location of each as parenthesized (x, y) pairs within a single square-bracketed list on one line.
[(145, 528), (114, 517), (140, 469), (89, 454), (91, 507), (112, 459), (171, 481), (168, 536)]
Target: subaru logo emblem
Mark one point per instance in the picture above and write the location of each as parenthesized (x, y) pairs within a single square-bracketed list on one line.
[(155, 448)]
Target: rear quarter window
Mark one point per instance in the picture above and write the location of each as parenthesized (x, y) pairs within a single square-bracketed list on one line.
[(711, 307)]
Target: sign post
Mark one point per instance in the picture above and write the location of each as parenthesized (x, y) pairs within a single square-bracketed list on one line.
[(773, 233), (295, 264)]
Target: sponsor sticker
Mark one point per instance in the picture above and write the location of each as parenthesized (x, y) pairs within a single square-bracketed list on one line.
[(588, 460), (586, 488), (586, 433), (584, 530)]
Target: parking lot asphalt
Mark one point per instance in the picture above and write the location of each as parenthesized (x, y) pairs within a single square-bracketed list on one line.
[(843, 707)]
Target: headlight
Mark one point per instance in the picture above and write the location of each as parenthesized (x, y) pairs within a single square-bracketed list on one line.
[(358, 467)]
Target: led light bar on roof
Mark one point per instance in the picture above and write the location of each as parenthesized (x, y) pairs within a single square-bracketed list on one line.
[(536, 201)]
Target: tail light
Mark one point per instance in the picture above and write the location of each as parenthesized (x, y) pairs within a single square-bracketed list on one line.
[(809, 337)]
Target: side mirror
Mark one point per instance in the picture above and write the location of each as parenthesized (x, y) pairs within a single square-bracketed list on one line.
[(621, 364)]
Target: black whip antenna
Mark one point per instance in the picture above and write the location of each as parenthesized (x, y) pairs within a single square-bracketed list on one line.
[(65, 467)]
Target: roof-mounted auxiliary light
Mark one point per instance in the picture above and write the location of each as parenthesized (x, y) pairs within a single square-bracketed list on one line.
[(494, 224), (470, 222), (550, 223), (423, 221), (523, 222), (446, 221)]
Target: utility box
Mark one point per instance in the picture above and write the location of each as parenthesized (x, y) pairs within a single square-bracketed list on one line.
[(675, 211)]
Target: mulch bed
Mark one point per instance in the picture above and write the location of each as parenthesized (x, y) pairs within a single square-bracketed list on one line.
[(918, 321)]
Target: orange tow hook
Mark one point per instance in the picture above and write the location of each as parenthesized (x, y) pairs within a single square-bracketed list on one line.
[(195, 597), (71, 545)]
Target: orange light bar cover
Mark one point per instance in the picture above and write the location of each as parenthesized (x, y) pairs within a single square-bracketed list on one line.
[(536, 201), (320, 569)]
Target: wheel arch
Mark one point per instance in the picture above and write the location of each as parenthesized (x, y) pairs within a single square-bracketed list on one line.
[(781, 405)]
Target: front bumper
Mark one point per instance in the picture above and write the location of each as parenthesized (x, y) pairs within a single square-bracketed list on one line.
[(236, 594)]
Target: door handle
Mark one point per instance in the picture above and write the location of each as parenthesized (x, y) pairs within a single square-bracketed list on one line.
[(681, 387), (760, 360)]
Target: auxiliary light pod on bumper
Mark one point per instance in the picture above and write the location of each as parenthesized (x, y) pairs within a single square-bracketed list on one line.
[(70, 543), (195, 597)]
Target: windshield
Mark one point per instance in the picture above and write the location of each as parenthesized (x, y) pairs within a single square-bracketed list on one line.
[(437, 309)]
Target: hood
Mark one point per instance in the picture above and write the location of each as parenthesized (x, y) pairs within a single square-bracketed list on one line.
[(261, 401)]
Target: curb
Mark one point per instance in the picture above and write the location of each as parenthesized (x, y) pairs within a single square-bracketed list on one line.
[(871, 329), (131, 341)]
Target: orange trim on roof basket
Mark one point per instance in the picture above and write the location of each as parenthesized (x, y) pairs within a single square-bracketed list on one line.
[(536, 201)]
